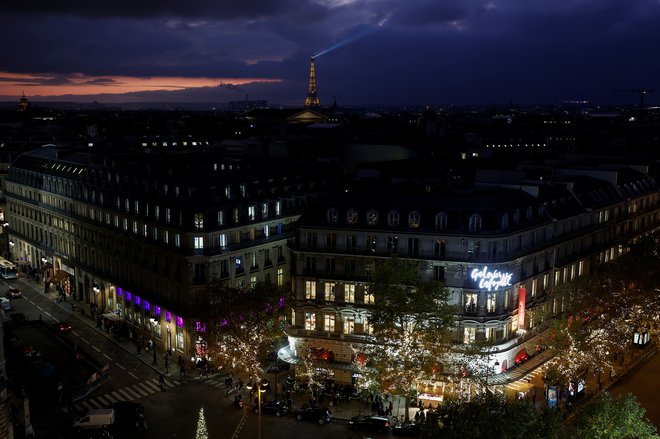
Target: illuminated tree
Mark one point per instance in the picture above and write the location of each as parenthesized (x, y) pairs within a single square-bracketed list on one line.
[(613, 418), (241, 326), (201, 433), (410, 325)]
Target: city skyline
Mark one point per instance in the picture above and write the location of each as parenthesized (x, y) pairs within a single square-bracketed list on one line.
[(368, 52)]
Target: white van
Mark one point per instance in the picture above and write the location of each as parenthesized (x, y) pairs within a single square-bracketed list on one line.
[(5, 303), (96, 419)]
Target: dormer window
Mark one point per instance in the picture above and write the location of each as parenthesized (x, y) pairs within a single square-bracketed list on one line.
[(505, 221), (475, 223), (441, 221), (372, 217), (351, 216), (331, 215), (516, 216), (413, 220), (393, 218), (530, 212)]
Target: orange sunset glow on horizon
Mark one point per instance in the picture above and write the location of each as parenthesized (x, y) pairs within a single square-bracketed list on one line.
[(16, 84)]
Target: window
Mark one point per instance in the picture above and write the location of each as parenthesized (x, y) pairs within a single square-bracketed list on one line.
[(280, 277), (135, 227), (252, 213), (310, 290), (351, 216), (516, 216), (349, 325), (310, 321), (222, 241), (372, 217), (154, 234), (157, 212), (369, 298), (264, 210), (221, 217), (278, 208), (235, 215), (199, 221), (469, 335), (166, 237), (329, 265), (228, 191), (253, 260), (393, 218), (413, 220), (198, 242), (371, 243), (332, 215), (505, 221), (125, 221), (351, 242), (413, 246), (144, 230), (331, 241), (471, 302), (238, 262), (137, 207), (490, 333), (439, 248), (168, 215), (438, 273), (330, 291), (530, 212), (177, 240), (534, 287), (253, 282), (441, 221), (474, 224), (349, 293), (491, 302), (329, 323), (393, 243)]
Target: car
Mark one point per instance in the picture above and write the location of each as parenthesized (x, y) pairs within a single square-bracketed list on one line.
[(277, 408), (319, 414), (63, 327), (128, 413), (410, 429), (13, 293), (377, 424), (5, 303)]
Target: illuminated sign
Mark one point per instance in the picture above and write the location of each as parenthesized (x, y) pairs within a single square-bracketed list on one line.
[(521, 307), (491, 280)]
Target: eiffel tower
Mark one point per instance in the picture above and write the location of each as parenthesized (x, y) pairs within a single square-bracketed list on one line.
[(312, 98)]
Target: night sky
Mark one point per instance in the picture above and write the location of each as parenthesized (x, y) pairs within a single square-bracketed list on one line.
[(396, 52)]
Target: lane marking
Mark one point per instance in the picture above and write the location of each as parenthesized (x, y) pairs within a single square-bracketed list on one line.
[(85, 340), (120, 366), (133, 375), (96, 349), (107, 357)]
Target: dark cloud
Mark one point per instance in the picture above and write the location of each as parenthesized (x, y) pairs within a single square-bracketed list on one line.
[(418, 51)]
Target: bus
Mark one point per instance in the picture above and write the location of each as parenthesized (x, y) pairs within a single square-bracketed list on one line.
[(7, 269)]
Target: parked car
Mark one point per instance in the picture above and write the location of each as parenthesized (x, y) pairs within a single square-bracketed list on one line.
[(13, 293), (5, 303), (376, 424), (277, 408), (96, 418), (410, 429), (130, 413), (319, 414)]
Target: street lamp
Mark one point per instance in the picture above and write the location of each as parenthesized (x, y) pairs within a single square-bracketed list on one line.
[(263, 384), (152, 320), (96, 290)]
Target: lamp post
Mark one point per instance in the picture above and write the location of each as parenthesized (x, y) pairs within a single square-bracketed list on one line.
[(96, 290), (261, 387), (153, 338), (11, 250)]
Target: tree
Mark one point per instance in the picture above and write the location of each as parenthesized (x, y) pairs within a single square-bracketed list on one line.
[(410, 324), (492, 416), (613, 418), (202, 432), (241, 325)]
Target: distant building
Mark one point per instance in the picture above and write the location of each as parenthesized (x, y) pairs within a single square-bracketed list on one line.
[(23, 104)]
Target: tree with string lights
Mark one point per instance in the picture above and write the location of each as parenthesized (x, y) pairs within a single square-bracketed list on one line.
[(241, 326), (410, 325)]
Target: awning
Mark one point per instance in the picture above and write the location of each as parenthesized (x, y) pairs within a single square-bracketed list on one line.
[(59, 276), (110, 316)]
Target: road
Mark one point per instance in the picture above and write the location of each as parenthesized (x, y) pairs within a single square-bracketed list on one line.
[(175, 412)]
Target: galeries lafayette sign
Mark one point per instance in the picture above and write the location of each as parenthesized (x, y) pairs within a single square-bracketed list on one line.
[(491, 280)]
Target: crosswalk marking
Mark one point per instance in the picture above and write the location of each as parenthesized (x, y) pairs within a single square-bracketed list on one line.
[(129, 393)]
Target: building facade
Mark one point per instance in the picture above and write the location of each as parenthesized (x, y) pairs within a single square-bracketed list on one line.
[(138, 236), (498, 246)]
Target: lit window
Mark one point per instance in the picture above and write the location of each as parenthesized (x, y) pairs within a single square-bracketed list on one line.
[(349, 293), (199, 242), (413, 220), (469, 335), (199, 221), (349, 325), (310, 290), (329, 322), (372, 217), (177, 240), (491, 302), (369, 298), (330, 291), (351, 216), (310, 321)]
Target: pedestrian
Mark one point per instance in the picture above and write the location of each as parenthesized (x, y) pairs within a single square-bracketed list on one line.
[(161, 381), (167, 364)]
